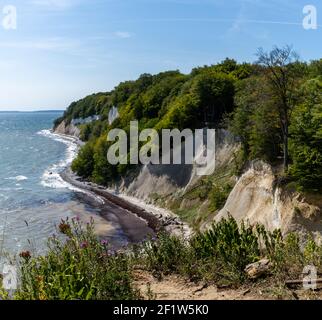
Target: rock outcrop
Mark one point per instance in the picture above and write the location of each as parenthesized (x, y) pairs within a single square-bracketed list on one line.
[(67, 129), (256, 199), (258, 269)]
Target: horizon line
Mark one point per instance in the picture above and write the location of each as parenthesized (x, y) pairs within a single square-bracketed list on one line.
[(44, 110)]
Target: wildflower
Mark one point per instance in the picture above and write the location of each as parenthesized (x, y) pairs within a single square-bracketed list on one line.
[(84, 245), (104, 243), (64, 227), (25, 255)]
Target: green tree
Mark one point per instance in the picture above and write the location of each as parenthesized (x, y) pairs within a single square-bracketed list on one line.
[(103, 172), (255, 120), (83, 165), (282, 78), (306, 137), (215, 93)]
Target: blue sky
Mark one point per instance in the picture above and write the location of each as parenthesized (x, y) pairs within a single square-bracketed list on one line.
[(63, 50)]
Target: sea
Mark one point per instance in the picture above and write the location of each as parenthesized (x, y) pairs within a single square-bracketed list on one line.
[(33, 196)]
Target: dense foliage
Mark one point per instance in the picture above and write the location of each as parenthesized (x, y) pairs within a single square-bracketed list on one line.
[(166, 100), (306, 133), (259, 122)]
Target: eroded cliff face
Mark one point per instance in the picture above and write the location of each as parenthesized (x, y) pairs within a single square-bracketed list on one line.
[(256, 199), (69, 129), (171, 180)]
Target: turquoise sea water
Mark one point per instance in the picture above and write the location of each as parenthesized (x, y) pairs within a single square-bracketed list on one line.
[(33, 197)]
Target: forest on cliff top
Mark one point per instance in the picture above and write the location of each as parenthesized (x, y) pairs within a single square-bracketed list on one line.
[(273, 107)]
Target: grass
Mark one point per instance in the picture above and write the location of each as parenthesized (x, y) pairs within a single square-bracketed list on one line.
[(81, 267)]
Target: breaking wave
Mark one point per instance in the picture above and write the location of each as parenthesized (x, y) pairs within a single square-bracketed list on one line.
[(51, 178)]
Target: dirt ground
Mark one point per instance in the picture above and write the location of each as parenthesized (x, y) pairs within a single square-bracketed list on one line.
[(173, 287)]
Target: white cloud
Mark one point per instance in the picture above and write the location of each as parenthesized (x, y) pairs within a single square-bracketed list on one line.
[(54, 4), (50, 44), (122, 34)]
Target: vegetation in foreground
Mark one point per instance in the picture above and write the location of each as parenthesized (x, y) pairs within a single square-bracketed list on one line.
[(83, 267)]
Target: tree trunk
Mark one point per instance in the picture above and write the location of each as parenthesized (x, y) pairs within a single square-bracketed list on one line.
[(285, 142)]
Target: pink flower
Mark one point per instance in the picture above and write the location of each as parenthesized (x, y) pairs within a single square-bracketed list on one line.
[(84, 245), (104, 243)]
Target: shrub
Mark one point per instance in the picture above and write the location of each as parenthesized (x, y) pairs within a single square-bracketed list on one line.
[(218, 196), (80, 268), (166, 253), (218, 255), (231, 247)]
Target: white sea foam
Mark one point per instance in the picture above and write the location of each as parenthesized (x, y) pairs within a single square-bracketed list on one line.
[(17, 178), (4, 197), (51, 178)]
